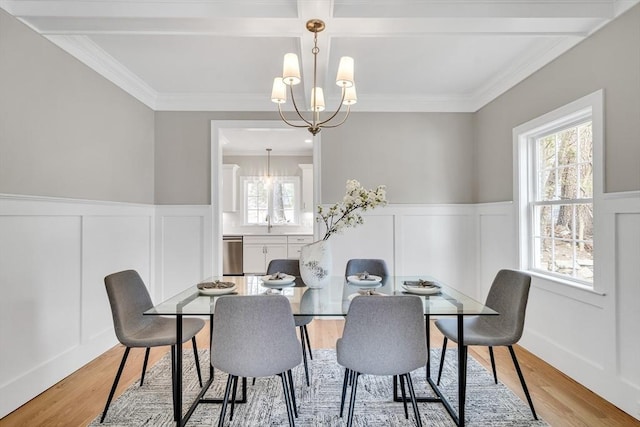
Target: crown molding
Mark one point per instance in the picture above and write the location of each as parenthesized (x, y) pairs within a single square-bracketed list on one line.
[(89, 53)]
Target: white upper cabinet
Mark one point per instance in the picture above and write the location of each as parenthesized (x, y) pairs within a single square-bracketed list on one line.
[(230, 188)]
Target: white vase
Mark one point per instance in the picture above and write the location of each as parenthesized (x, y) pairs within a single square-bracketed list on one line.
[(315, 264)]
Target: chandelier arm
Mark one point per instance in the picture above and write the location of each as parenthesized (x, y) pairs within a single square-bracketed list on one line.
[(287, 122), (334, 114), (343, 120), (298, 111)]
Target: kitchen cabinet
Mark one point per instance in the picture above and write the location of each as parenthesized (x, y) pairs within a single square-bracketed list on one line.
[(230, 188), (258, 251), (307, 188), (295, 244)]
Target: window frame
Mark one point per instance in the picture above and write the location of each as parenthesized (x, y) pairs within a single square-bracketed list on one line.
[(525, 180), (246, 180)]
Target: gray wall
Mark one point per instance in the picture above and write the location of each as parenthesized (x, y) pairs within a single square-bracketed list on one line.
[(183, 154), (420, 157), (65, 131), (609, 59)]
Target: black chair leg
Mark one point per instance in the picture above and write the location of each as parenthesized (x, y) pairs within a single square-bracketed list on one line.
[(144, 365), (293, 393), (352, 402), (493, 365), (524, 384), (234, 389), (195, 356), (414, 402), (306, 334), (287, 398), (225, 400), (442, 354), (404, 397), (344, 390), (115, 383)]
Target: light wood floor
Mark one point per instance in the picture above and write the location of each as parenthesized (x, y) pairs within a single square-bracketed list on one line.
[(79, 398)]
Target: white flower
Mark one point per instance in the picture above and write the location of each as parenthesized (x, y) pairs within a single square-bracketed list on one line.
[(344, 215)]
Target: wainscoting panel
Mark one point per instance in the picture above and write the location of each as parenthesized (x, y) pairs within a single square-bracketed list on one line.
[(184, 257), (110, 244), (373, 239), (54, 315), (440, 244), (497, 248)]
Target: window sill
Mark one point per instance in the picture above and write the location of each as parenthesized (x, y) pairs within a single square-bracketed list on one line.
[(567, 289)]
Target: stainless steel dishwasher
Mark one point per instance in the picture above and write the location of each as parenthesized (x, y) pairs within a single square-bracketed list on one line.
[(232, 255)]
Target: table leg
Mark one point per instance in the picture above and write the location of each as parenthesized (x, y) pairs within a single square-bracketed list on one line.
[(427, 327), (178, 377), (462, 370)]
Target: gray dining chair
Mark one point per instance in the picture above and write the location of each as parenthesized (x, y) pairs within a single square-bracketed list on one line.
[(292, 267), (255, 336), (508, 296), (377, 267), (129, 299), (383, 335)]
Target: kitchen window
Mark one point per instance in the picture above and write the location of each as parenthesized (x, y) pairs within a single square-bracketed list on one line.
[(559, 174), (273, 200)]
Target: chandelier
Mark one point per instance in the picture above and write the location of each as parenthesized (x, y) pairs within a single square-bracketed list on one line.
[(291, 77)]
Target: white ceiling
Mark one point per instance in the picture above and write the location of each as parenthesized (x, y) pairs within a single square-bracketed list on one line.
[(254, 141), (222, 55)]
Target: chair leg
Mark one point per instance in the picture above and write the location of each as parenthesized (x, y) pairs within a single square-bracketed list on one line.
[(414, 402), (304, 357), (287, 398), (234, 389), (404, 397), (225, 400), (293, 393), (524, 384), (306, 334), (442, 354), (352, 402), (344, 390), (115, 383), (144, 365), (195, 356), (493, 365)]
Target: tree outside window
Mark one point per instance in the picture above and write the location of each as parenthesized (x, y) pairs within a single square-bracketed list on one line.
[(562, 205)]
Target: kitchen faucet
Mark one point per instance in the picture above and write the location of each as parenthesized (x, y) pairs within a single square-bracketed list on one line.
[(268, 218)]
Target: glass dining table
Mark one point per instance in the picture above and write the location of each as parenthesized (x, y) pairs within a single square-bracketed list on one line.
[(330, 301)]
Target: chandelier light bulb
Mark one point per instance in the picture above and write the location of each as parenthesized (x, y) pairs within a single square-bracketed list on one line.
[(344, 77), (291, 69), (350, 96), (279, 91), (317, 99)]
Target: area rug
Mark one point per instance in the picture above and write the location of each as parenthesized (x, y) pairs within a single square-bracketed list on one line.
[(488, 404)]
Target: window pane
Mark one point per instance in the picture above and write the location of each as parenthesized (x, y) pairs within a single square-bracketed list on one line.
[(543, 224), (563, 257), (547, 185), (567, 183), (567, 146), (543, 254), (586, 143), (585, 190), (252, 217)]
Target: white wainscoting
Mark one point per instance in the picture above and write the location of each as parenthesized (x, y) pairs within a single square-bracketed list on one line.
[(590, 337), (54, 313), (55, 253), (184, 240)]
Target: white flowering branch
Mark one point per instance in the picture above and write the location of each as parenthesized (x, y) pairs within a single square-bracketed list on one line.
[(343, 215)]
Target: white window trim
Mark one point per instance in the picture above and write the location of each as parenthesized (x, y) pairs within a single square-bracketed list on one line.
[(290, 178), (523, 158)]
